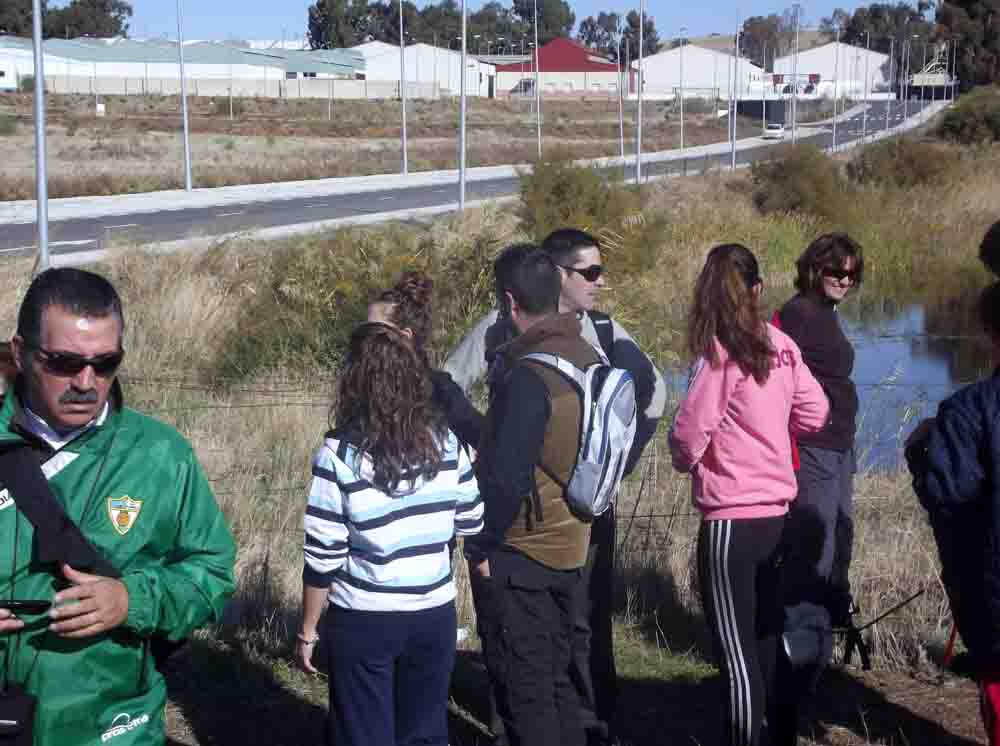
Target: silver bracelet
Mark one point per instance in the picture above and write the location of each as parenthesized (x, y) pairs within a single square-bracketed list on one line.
[(306, 641)]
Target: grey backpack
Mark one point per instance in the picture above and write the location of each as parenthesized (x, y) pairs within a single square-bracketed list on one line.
[(607, 429)]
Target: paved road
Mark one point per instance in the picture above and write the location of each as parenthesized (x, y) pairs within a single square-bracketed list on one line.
[(69, 236)]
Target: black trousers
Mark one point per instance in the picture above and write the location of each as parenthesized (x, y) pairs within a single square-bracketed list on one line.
[(740, 590), (527, 634), (593, 668)]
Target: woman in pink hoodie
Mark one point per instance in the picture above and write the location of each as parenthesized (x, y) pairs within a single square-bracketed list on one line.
[(749, 388)]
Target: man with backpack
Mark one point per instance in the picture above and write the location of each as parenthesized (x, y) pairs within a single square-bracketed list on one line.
[(577, 256), (531, 555)]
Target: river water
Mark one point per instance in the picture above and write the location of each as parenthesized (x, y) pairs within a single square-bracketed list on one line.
[(908, 358)]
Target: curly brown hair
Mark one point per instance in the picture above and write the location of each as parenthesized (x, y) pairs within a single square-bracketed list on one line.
[(725, 309), (410, 299), (386, 404)]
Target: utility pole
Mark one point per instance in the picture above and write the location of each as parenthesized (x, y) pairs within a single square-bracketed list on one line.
[(795, 76), (402, 87), (905, 84), (836, 88), (736, 99), (683, 32), (621, 95), (461, 116), (184, 103), (538, 90), (892, 86), (642, 77), (763, 95), (864, 112), (41, 169), (923, 83)]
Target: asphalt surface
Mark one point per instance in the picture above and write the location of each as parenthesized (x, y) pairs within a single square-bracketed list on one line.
[(69, 236)]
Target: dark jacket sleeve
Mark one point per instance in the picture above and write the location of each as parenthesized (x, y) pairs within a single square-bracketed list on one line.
[(507, 474), (463, 418), (948, 468), (627, 355)]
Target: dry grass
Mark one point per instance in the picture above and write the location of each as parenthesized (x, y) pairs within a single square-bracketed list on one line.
[(255, 436), (135, 150)]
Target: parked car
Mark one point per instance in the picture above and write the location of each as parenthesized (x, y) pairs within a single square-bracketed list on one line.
[(773, 131)]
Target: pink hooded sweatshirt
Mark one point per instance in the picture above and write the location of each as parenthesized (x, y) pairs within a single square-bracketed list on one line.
[(732, 433)]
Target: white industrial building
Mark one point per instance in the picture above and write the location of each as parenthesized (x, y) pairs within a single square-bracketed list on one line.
[(852, 70), (130, 67), (707, 74), (430, 71)]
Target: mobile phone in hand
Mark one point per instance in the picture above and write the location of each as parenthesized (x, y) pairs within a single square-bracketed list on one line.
[(34, 606)]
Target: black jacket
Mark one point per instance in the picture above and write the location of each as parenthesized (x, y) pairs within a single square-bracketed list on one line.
[(813, 324), (956, 475)]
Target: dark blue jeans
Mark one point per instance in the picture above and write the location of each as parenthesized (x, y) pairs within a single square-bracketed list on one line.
[(389, 676)]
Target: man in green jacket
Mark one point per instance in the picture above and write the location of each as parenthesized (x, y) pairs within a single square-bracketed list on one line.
[(139, 496)]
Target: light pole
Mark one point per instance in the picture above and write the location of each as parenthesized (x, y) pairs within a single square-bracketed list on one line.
[(836, 87), (538, 90), (461, 117), (683, 32), (621, 94), (763, 93), (642, 77), (184, 106), (864, 111), (402, 87), (736, 99), (923, 82), (41, 170), (905, 83), (892, 82), (795, 75)]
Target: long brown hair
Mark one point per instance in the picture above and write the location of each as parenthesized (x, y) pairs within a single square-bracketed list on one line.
[(386, 404), (725, 309), (410, 299)]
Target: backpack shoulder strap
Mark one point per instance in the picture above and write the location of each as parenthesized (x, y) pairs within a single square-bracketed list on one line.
[(59, 539), (605, 332), (560, 364)]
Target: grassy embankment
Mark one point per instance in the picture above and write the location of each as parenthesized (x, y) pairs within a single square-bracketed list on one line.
[(137, 147), (239, 349)]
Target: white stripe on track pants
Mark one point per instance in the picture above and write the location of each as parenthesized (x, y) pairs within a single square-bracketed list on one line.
[(738, 573)]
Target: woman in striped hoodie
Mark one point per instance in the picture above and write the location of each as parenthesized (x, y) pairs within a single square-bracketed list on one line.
[(748, 388), (391, 487)]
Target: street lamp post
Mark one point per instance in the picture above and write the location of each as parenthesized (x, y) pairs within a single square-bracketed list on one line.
[(683, 32), (736, 97), (836, 87), (621, 94), (41, 170), (892, 86), (184, 106), (642, 77), (795, 75), (864, 111), (538, 90), (461, 117), (402, 88)]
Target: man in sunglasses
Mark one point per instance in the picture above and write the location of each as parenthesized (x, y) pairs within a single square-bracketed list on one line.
[(578, 256), (126, 545)]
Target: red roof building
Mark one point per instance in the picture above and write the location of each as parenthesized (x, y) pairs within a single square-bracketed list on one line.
[(566, 68)]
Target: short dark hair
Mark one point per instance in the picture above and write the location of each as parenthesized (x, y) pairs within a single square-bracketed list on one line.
[(503, 270), (80, 292), (535, 284), (565, 244), (989, 249), (829, 250)]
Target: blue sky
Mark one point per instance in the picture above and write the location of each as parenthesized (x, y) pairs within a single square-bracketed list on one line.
[(263, 19)]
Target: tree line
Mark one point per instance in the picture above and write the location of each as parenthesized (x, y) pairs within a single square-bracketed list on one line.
[(97, 18)]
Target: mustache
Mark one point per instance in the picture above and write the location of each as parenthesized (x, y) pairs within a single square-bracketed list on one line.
[(72, 396)]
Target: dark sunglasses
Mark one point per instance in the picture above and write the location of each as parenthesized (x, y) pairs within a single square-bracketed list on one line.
[(590, 274), (839, 274), (70, 364)]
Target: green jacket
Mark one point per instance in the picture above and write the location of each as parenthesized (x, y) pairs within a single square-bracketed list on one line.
[(136, 490)]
